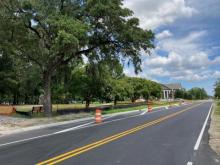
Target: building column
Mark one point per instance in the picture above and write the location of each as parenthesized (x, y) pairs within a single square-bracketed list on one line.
[(165, 94)]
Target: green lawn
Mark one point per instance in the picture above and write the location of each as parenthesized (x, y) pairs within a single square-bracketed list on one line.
[(157, 104), (28, 108), (217, 107), (123, 109), (23, 108)]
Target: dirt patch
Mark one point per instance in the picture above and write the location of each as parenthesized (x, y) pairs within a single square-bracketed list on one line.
[(9, 124), (214, 130)]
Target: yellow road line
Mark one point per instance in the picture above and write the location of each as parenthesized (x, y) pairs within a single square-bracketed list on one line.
[(88, 147)]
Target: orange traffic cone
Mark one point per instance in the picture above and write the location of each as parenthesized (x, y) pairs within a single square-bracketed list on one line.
[(98, 116)]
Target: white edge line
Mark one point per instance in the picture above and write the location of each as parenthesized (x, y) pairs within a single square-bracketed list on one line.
[(73, 128), (189, 163), (46, 135), (143, 113), (196, 147), (24, 140)]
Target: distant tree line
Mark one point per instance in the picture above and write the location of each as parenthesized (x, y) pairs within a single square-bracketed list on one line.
[(192, 94)]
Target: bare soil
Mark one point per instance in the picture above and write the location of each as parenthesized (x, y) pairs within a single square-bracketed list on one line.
[(8, 124)]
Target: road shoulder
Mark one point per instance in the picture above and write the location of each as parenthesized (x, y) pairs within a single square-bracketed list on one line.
[(214, 130), (208, 153)]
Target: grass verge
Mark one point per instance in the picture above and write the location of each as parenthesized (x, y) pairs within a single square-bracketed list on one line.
[(214, 130), (136, 108), (217, 108)]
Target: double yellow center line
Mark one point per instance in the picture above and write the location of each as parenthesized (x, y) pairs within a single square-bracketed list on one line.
[(91, 146)]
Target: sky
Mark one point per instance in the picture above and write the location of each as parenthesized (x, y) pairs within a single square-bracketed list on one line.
[(187, 40)]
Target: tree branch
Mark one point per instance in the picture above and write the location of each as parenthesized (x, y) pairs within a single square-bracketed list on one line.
[(26, 56), (86, 51), (32, 29)]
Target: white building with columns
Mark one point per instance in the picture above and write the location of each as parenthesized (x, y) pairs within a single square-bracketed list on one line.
[(169, 90)]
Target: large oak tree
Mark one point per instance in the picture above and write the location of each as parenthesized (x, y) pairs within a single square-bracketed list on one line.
[(51, 33)]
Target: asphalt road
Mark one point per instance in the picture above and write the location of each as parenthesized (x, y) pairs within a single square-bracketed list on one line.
[(163, 137)]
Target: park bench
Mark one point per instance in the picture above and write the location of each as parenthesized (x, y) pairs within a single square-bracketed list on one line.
[(37, 109)]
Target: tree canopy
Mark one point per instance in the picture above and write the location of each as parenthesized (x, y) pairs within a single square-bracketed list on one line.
[(55, 32)]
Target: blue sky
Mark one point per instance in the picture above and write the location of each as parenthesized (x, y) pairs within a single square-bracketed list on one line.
[(187, 41)]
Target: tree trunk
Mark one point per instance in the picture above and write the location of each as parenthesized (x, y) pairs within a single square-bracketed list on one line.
[(14, 99), (87, 103), (115, 102), (26, 99), (133, 100), (47, 106)]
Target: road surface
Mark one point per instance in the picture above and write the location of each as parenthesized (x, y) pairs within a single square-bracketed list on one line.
[(162, 137)]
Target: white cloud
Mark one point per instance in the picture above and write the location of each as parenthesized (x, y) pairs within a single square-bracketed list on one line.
[(129, 71), (187, 45), (216, 61), (152, 14), (216, 74), (185, 60), (192, 54), (164, 34)]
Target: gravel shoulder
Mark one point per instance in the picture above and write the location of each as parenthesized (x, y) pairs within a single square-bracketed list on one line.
[(8, 124)]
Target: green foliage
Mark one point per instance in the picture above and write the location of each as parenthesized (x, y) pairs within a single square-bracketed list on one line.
[(55, 32), (181, 93), (192, 94), (143, 88), (7, 74), (197, 93), (19, 81), (217, 89)]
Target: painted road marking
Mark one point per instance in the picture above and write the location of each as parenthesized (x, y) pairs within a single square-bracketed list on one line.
[(75, 128), (196, 147), (67, 130), (99, 143), (45, 135), (189, 163), (143, 113), (70, 129)]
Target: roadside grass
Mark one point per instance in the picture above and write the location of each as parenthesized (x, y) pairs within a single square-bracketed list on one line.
[(217, 108), (28, 108), (214, 130), (23, 108), (123, 110), (157, 104)]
